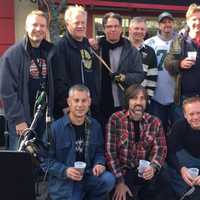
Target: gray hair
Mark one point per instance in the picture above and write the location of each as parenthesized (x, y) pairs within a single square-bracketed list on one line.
[(73, 10), (80, 88), (137, 20)]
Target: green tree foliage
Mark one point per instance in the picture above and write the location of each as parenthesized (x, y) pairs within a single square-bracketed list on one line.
[(54, 9)]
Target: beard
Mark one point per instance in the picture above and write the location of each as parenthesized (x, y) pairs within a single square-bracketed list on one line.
[(137, 112)]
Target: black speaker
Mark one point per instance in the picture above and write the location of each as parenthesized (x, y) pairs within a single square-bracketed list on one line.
[(16, 176)]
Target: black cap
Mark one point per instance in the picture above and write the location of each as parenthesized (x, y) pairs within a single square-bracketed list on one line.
[(165, 15)]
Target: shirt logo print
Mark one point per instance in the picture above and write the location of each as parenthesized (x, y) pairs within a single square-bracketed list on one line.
[(34, 72), (79, 145), (86, 59)]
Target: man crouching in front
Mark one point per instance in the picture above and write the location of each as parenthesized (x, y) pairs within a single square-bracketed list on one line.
[(135, 148), (76, 164)]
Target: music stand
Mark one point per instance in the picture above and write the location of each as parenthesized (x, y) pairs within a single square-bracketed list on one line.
[(16, 176)]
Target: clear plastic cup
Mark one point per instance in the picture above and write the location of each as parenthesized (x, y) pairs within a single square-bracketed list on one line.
[(192, 55), (80, 166), (194, 172), (142, 165)]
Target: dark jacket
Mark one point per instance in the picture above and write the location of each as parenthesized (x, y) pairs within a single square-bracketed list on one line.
[(172, 64), (14, 80), (178, 51), (130, 64), (71, 71)]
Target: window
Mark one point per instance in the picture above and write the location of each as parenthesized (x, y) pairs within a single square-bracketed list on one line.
[(152, 25)]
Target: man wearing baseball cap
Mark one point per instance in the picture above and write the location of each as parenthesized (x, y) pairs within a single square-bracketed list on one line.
[(162, 105), (164, 15)]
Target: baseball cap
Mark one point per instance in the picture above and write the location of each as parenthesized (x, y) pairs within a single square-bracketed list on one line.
[(165, 15)]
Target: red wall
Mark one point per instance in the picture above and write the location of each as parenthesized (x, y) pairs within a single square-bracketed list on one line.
[(7, 30)]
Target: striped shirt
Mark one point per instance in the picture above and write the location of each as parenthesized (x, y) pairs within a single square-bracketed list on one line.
[(122, 152), (149, 62)]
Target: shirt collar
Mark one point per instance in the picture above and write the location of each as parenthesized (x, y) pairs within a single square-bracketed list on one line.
[(141, 46)]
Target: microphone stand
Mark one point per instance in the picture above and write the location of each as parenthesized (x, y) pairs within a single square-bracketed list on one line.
[(48, 126), (30, 132)]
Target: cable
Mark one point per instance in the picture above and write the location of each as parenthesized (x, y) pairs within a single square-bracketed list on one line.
[(107, 67), (188, 193)]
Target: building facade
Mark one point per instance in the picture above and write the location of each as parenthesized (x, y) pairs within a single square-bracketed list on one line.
[(130, 8), (13, 13)]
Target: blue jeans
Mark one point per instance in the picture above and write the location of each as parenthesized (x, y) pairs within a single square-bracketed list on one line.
[(13, 137), (168, 114), (175, 179), (93, 187)]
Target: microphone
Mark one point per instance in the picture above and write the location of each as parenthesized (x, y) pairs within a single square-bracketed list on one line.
[(41, 99)]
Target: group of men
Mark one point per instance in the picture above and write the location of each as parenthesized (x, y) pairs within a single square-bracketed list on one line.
[(117, 83)]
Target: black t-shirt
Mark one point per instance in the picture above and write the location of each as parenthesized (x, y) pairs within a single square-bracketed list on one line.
[(80, 142), (37, 75), (183, 137), (137, 130)]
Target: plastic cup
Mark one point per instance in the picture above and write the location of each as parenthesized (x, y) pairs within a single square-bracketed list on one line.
[(80, 166), (194, 172), (143, 164), (192, 55)]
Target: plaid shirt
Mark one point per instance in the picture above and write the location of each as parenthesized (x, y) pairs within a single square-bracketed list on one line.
[(122, 152)]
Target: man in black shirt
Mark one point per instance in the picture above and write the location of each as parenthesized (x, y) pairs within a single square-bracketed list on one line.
[(184, 151), (25, 69), (77, 63)]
